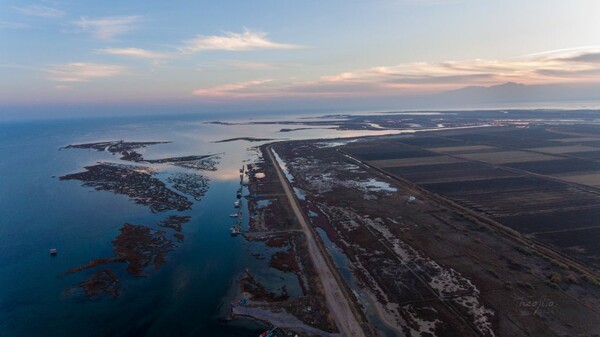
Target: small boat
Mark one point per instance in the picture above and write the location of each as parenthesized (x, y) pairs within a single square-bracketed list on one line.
[(268, 333), (233, 215), (239, 195), (236, 204), (53, 251), (235, 230)]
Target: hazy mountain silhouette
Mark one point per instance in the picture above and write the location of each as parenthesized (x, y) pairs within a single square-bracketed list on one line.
[(476, 97), (515, 93)]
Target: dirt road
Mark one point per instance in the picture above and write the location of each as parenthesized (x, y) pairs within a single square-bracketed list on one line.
[(341, 308), (281, 319)]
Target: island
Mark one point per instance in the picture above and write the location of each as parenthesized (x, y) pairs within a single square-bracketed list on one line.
[(139, 246), (136, 182)]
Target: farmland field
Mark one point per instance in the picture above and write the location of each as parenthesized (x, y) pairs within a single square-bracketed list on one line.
[(559, 166), (448, 172), (541, 181), (563, 149), (591, 179), (433, 160)]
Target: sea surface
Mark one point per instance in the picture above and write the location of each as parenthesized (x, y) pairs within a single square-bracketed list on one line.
[(189, 295)]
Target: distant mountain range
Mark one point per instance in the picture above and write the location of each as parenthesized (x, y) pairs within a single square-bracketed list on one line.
[(506, 95), (511, 93)]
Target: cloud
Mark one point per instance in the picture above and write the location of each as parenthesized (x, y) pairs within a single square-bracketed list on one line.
[(12, 25), (83, 72), (239, 89), (587, 54), (569, 66), (244, 65), (566, 73), (327, 89), (563, 51), (443, 79), (239, 65), (107, 27), (245, 41), (586, 57), (577, 65), (135, 52), (40, 11)]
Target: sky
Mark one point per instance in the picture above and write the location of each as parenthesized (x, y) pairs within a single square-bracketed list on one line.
[(261, 53)]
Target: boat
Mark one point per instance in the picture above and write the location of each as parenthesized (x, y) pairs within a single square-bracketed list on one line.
[(268, 333), (53, 251), (235, 230), (234, 215), (236, 204)]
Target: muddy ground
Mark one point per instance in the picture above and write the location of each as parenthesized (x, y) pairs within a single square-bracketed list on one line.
[(423, 267), (273, 223)]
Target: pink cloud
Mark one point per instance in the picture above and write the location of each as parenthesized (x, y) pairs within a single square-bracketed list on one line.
[(229, 41), (246, 89), (83, 72)]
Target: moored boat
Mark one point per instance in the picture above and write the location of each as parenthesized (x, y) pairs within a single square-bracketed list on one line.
[(235, 230)]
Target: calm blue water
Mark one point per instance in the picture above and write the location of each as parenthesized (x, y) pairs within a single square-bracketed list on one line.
[(186, 297)]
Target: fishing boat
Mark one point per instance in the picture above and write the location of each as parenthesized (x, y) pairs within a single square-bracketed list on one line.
[(53, 251)]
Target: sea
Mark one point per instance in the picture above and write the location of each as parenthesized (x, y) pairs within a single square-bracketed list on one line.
[(190, 294)]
